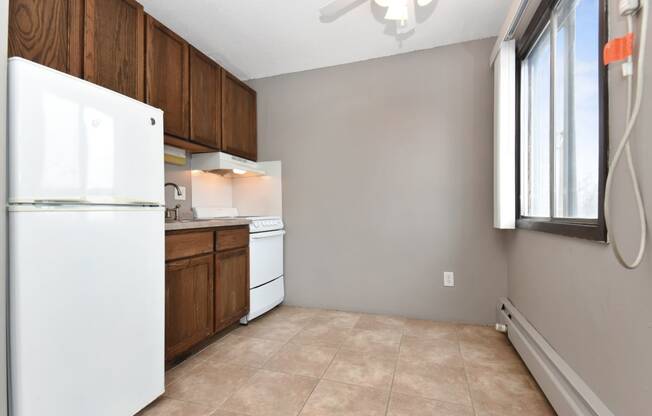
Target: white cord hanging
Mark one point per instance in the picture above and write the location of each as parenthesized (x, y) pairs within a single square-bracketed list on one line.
[(632, 115)]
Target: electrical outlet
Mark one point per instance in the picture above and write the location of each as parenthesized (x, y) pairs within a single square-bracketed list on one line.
[(449, 279), (181, 197)]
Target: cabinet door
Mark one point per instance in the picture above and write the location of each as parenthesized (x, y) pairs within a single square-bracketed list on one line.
[(48, 32), (205, 97), (238, 117), (114, 49), (231, 287), (166, 77), (188, 303)]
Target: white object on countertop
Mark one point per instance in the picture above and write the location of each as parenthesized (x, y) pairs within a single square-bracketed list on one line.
[(204, 213), (86, 247)]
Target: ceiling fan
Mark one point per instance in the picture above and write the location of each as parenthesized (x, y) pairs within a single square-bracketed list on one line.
[(403, 12)]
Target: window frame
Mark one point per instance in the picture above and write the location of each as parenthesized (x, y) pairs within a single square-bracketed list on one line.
[(589, 229)]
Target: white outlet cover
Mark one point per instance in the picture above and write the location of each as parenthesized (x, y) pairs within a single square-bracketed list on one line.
[(449, 279), (181, 197)]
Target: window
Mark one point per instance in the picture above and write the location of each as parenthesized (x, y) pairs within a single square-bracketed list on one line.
[(562, 122)]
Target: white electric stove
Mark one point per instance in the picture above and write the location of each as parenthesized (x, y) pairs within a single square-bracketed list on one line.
[(266, 281)]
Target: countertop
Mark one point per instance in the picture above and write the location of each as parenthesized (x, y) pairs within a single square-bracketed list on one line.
[(193, 224)]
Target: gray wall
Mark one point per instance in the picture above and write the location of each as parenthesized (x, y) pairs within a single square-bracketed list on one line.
[(4, 7), (597, 315), (387, 183)]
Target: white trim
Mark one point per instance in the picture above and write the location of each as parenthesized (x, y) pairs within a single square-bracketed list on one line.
[(505, 137), (564, 388), (4, 25), (518, 16)]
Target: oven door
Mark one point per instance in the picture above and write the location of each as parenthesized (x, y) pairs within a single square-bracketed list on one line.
[(265, 257)]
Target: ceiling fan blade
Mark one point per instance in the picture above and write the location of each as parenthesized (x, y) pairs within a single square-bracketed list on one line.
[(338, 7)]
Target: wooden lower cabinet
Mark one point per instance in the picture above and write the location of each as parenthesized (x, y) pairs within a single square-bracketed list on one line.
[(231, 287), (206, 286), (189, 307)]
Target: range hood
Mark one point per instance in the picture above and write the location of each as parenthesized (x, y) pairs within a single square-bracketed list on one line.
[(225, 164)]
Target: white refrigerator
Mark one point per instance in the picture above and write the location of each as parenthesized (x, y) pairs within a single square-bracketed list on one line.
[(86, 247)]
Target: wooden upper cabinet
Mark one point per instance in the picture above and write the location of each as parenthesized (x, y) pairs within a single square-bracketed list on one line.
[(231, 287), (189, 310), (167, 78), (49, 32), (205, 100), (239, 132), (114, 46)]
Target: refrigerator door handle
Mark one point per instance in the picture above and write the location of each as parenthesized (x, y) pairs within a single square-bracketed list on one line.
[(86, 201)]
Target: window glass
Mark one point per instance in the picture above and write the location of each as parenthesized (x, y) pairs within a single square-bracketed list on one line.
[(560, 116), (577, 146), (535, 144)]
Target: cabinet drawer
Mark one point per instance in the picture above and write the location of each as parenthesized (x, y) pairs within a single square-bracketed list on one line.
[(178, 246), (229, 239)]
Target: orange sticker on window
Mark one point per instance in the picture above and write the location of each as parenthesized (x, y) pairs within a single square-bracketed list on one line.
[(619, 49)]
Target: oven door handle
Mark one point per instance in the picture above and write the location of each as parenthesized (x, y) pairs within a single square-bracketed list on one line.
[(266, 234)]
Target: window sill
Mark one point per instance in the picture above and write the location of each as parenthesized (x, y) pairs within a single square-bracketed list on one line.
[(593, 230)]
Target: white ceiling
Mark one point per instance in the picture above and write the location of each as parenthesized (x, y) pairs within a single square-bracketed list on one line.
[(261, 38)]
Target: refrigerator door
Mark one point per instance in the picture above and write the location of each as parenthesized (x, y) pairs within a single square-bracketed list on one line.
[(86, 310), (70, 140)]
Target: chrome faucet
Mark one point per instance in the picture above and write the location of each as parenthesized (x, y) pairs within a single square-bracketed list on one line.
[(175, 187), (173, 213)]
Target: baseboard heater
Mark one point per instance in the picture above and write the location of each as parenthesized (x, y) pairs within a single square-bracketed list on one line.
[(566, 391)]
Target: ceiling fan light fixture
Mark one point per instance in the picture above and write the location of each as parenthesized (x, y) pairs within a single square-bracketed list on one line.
[(397, 10), (422, 3)]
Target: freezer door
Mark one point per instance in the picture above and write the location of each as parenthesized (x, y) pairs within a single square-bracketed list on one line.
[(71, 140), (86, 311)]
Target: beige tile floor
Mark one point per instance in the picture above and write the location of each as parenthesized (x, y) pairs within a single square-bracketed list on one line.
[(310, 362)]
